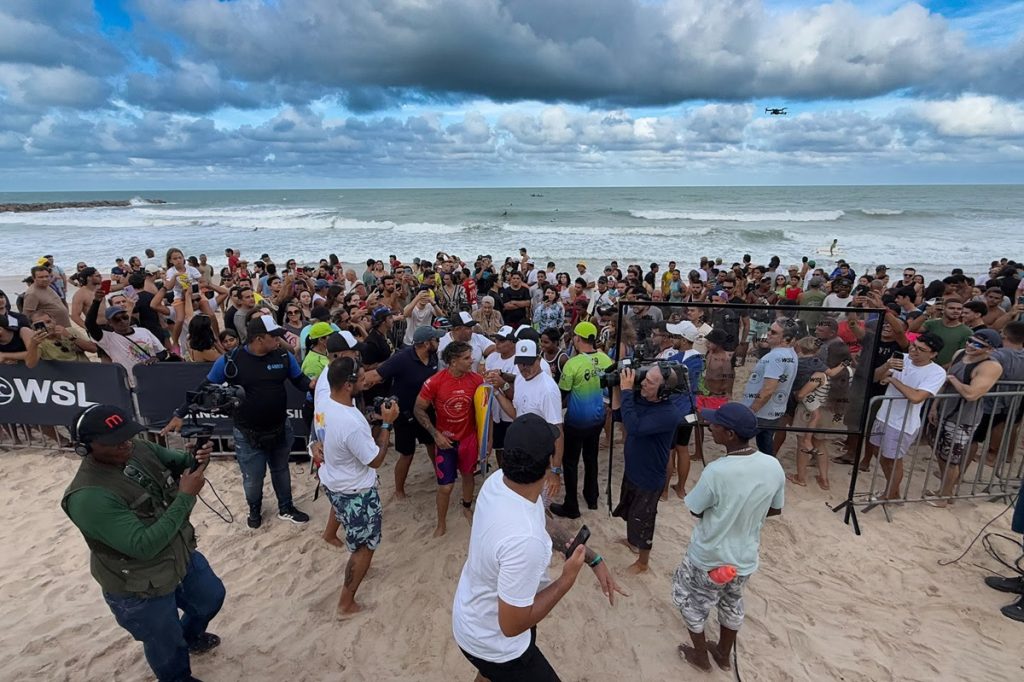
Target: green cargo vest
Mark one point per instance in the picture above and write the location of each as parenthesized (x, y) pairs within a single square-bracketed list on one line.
[(118, 573)]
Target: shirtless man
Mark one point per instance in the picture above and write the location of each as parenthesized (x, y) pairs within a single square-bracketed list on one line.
[(719, 377), (90, 279)]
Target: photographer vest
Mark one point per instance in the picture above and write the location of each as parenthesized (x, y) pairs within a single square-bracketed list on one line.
[(148, 488)]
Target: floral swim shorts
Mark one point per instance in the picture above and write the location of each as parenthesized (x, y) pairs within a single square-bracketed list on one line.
[(360, 514)]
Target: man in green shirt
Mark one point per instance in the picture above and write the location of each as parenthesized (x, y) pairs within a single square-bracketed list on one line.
[(943, 320), (131, 500)]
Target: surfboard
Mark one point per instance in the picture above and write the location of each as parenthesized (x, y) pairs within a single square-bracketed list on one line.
[(484, 417), (825, 252)]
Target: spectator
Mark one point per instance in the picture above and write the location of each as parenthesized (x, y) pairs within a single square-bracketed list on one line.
[(50, 341), (124, 344), (488, 320), (768, 388), (203, 344), (40, 296), (943, 320)]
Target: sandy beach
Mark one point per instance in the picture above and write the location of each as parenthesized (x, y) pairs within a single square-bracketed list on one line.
[(825, 605)]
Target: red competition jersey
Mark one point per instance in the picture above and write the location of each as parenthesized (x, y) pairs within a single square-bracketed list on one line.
[(453, 402)]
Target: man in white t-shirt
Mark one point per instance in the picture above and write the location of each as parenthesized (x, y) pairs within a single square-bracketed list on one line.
[(908, 385), (840, 296), (125, 344), (462, 330), (348, 470), (496, 365), (535, 392), (504, 590)]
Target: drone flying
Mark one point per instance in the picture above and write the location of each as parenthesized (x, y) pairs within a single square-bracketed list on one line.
[(775, 112)]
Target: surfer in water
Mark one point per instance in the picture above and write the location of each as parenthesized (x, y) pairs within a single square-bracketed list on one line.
[(832, 249)]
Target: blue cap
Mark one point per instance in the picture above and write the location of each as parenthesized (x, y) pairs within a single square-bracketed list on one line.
[(322, 284), (735, 417)]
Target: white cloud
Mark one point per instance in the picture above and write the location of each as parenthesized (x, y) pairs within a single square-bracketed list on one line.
[(973, 116)]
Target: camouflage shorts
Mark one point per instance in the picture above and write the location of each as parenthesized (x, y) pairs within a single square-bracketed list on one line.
[(360, 515), (694, 593)]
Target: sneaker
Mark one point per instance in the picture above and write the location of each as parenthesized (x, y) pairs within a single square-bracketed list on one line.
[(294, 515), (255, 519), (1014, 611), (204, 643), (1013, 585), (560, 510)]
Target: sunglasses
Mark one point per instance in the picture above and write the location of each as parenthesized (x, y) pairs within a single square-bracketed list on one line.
[(975, 343)]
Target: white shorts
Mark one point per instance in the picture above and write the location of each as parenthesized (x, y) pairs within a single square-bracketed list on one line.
[(891, 442)]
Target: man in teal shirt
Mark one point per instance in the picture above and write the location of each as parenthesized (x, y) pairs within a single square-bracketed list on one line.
[(131, 500), (733, 497)]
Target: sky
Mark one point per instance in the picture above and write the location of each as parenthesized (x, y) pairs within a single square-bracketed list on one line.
[(183, 94)]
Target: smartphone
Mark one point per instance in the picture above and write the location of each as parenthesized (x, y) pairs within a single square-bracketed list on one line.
[(130, 293), (39, 326), (105, 286), (1020, 300), (195, 289), (580, 539)]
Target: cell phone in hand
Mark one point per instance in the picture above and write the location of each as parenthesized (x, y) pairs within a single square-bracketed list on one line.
[(105, 286), (580, 539), (1020, 300), (39, 326)]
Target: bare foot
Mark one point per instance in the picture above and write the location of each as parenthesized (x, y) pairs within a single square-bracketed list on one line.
[(346, 612), (439, 531), (822, 482), (690, 655), (865, 468), (400, 495), (793, 479), (664, 496), (636, 568), (631, 548), (721, 661), (680, 492), (334, 541), (468, 513)]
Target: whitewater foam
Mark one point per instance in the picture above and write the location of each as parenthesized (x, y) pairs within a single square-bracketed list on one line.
[(881, 211), (776, 216)]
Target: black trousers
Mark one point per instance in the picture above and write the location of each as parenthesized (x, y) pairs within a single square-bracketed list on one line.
[(530, 667), (581, 442)]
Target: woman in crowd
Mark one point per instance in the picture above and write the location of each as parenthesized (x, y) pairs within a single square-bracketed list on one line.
[(810, 390), (184, 281), (549, 313), (552, 352), (451, 297), (203, 345), (488, 318)]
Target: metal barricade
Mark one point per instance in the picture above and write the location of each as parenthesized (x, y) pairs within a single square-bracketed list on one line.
[(960, 451)]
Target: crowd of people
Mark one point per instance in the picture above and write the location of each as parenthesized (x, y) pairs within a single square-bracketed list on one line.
[(398, 351)]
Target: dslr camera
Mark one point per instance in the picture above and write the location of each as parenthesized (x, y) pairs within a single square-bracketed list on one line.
[(373, 411), (215, 398)]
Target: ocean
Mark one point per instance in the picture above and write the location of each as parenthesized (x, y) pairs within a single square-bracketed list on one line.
[(933, 228)]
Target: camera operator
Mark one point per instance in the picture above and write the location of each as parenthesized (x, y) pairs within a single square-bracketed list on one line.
[(263, 433), (348, 470), (650, 416), (408, 370), (131, 500)]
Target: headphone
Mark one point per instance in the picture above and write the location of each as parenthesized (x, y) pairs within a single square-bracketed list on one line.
[(82, 449)]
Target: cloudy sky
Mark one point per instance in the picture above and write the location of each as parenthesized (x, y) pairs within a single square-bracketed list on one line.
[(158, 94)]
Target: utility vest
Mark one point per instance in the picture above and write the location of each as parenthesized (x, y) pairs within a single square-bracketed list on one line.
[(148, 488)]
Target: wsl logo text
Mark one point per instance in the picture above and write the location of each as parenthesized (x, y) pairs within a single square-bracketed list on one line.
[(43, 392)]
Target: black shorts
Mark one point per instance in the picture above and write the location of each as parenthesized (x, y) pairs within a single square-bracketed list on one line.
[(639, 509), (981, 433), (408, 432), (530, 666), (498, 430), (683, 433)]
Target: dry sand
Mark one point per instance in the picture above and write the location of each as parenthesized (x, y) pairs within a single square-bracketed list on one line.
[(826, 604)]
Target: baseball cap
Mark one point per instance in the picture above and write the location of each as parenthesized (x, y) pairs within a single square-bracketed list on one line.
[(989, 336), (113, 311), (104, 424), (530, 261), (426, 333), (585, 330), (152, 269), (462, 319), (581, 262), (381, 313), (506, 333), (811, 263), (685, 329), (322, 284), (343, 341), (43, 260), (263, 324), (735, 417), (526, 352), (320, 330), (815, 282), (529, 433)]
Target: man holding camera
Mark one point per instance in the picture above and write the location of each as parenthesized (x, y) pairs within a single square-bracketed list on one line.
[(131, 500), (650, 417), (348, 470), (263, 431)]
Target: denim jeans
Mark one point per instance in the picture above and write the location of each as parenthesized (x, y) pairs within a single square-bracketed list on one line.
[(254, 463), (765, 436), (581, 442), (154, 621)]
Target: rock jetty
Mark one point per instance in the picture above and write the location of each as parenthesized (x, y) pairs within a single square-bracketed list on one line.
[(29, 208)]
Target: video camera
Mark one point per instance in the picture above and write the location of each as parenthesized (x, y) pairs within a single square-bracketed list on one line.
[(212, 398), (373, 411), (677, 377)]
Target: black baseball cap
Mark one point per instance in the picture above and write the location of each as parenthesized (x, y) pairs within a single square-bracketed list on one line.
[(105, 424), (530, 433), (339, 342)]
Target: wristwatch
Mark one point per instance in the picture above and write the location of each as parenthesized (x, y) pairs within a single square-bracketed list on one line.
[(505, 387), (556, 470), (386, 426)]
